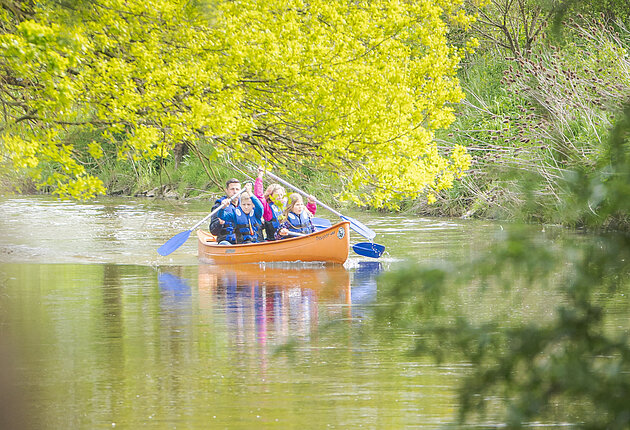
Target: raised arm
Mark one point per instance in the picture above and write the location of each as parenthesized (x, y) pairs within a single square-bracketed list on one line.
[(258, 184), (311, 204), (267, 213), (258, 207)]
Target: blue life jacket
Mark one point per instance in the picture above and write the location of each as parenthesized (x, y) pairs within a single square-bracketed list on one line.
[(277, 214), (300, 223), (273, 224), (247, 226), (226, 230)]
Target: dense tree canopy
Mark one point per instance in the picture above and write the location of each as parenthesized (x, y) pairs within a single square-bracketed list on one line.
[(355, 87)]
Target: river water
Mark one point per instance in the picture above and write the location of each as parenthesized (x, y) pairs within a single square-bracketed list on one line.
[(99, 331)]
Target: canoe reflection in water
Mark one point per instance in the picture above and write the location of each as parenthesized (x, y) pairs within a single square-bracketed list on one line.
[(272, 304), (276, 303)]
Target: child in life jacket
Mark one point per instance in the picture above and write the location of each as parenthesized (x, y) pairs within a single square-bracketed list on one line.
[(273, 201), (246, 218), (297, 218)]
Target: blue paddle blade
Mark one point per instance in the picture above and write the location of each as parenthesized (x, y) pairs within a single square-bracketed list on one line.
[(320, 223), (173, 243), (368, 249), (359, 227)]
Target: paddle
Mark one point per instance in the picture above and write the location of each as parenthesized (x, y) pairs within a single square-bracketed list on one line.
[(368, 249), (178, 240), (320, 223), (354, 224), (296, 234)]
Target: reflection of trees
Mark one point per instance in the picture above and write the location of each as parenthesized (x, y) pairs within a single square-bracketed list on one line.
[(177, 332), (112, 308), (12, 403), (111, 351)]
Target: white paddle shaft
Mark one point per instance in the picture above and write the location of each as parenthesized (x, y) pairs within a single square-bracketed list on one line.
[(282, 181), (217, 210)]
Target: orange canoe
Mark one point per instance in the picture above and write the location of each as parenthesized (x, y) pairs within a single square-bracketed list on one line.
[(330, 245)]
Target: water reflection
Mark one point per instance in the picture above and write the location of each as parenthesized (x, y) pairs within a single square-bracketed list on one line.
[(272, 304), (364, 290), (364, 287), (173, 287)]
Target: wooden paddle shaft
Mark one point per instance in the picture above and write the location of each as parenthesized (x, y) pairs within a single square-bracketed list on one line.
[(282, 181)]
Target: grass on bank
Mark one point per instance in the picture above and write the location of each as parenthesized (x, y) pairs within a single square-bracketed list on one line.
[(529, 122)]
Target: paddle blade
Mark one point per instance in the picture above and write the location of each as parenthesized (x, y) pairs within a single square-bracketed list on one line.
[(320, 223), (173, 243), (368, 249), (359, 227)]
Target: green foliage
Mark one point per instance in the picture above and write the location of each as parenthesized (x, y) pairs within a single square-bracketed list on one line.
[(337, 85), (511, 26), (537, 369), (610, 9), (548, 114), (574, 365), (563, 126), (604, 190)]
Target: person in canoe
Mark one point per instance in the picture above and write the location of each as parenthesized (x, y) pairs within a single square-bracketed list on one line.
[(246, 217), (273, 201), (297, 217), (224, 231)]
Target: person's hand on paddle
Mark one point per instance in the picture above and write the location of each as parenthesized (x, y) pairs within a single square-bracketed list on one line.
[(261, 171), (248, 188), (225, 203), (283, 232), (311, 199)]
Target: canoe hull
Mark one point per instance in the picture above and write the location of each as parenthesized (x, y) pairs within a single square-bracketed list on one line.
[(330, 245)]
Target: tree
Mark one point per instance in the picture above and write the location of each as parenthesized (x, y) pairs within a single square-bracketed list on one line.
[(357, 88), (511, 25)]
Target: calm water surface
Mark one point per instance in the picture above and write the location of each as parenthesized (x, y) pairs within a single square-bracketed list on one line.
[(99, 331)]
